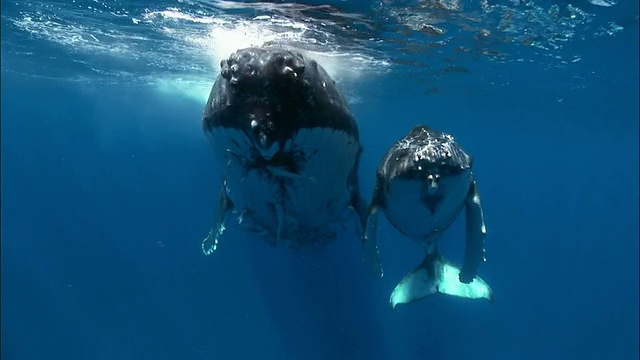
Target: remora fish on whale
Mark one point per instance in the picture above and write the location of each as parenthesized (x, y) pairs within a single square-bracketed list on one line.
[(288, 145), (422, 184)]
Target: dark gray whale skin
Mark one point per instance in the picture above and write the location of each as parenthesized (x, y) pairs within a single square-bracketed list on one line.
[(281, 90), (289, 146)]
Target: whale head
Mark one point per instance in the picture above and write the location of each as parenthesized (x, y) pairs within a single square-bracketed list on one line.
[(270, 93), (427, 155)]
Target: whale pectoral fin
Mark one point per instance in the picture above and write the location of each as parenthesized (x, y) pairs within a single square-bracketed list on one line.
[(210, 243), (369, 237), (357, 202), (434, 275), (370, 245), (475, 232)]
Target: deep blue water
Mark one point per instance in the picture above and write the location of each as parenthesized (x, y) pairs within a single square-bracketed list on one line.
[(109, 186)]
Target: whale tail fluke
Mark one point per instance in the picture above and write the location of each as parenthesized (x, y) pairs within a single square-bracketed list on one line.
[(437, 275)]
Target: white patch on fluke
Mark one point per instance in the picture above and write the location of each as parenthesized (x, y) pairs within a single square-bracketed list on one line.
[(451, 285), (437, 276)]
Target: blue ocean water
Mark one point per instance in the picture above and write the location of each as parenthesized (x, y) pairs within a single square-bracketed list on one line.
[(109, 186)]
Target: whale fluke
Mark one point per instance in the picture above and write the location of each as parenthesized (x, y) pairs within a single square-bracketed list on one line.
[(437, 275)]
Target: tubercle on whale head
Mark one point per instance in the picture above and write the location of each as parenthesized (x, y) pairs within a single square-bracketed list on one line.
[(270, 93), (264, 82), (426, 154), (258, 66)]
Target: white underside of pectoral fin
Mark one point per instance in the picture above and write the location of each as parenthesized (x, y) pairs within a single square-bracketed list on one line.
[(210, 243), (474, 254)]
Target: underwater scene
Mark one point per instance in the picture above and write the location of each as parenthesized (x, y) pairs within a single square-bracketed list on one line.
[(368, 179)]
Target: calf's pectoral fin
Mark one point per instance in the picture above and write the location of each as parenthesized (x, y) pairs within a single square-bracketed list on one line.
[(474, 252)]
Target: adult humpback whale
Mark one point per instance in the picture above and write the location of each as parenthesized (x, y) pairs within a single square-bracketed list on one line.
[(289, 147), (422, 184)]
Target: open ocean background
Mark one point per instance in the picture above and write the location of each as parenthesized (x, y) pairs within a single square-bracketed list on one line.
[(109, 186)]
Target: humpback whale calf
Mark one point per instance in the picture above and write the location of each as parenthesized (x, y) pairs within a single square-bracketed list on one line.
[(289, 149), (422, 184)]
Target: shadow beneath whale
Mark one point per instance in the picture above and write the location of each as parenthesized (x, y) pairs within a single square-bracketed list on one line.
[(320, 301)]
